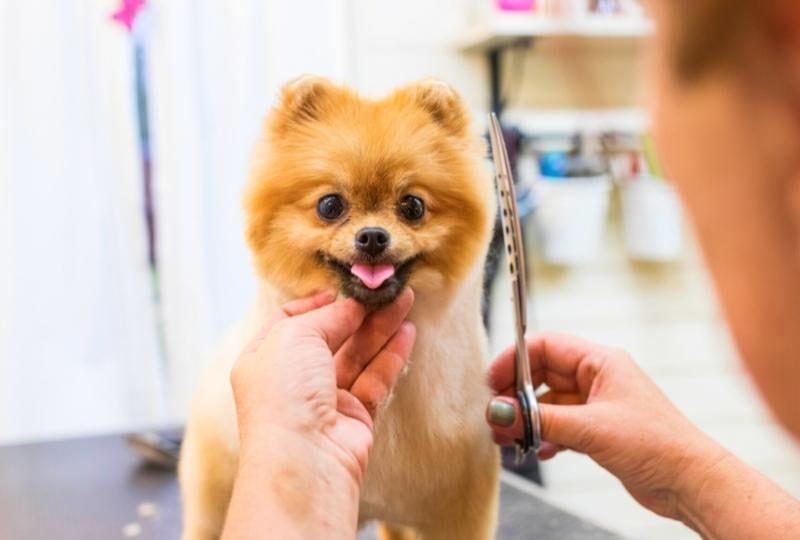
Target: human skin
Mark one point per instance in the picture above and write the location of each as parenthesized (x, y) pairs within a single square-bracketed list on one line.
[(601, 404), (729, 139), (730, 143), (306, 390)]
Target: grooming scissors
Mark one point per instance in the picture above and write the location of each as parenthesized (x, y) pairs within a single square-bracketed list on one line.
[(531, 419)]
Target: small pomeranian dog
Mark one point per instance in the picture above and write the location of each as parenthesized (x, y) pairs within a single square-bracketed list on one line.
[(370, 197)]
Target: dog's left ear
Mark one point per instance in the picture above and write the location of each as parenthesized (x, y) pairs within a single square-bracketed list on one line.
[(441, 101)]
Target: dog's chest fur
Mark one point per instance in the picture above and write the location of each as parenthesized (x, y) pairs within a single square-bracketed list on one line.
[(433, 425)]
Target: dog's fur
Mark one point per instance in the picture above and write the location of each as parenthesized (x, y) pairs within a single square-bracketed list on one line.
[(433, 469)]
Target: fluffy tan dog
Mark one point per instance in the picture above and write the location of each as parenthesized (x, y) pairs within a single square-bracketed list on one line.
[(369, 197)]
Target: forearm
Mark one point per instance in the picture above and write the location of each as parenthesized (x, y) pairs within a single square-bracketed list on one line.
[(286, 488), (732, 501)]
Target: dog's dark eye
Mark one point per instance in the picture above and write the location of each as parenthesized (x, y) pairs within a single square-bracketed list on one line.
[(330, 207), (412, 208)]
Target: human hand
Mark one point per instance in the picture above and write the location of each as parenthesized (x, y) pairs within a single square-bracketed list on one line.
[(306, 390), (601, 404), (319, 370)]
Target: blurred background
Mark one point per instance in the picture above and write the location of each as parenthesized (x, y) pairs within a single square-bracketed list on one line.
[(125, 134)]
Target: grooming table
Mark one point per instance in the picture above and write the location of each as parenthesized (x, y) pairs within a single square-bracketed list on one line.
[(97, 488)]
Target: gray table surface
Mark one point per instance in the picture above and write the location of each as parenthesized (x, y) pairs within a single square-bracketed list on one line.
[(91, 488)]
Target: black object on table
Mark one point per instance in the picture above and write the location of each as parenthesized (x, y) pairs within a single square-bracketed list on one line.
[(95, 488)]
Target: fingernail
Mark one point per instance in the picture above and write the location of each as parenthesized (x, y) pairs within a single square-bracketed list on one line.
[(501, 413)]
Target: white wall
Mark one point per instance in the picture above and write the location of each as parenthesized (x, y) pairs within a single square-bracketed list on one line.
[(79, 346), (215, 70), (398, 42), (78, 350)]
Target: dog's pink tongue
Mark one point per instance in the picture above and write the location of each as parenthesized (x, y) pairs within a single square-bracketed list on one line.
[(372, 276)]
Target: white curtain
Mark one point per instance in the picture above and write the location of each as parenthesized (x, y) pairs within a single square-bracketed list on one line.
[(214, 70), (78, 346)]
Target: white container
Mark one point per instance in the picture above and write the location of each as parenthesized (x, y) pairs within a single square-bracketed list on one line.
[(652, 219), (571, 217)]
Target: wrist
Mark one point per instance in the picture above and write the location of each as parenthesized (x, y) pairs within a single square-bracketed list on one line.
[(306, 491), (704, 478)]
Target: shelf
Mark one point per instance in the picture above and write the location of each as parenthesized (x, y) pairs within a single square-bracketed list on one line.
[(503, 29), (543, 121)]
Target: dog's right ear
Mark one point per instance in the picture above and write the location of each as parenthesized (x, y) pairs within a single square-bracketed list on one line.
[(301, 101)]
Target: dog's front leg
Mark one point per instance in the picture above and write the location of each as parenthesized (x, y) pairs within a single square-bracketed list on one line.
[(472, 515), (207, 471)]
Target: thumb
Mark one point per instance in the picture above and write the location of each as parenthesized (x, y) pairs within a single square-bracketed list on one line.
[(562, 425), (334, 323), (566, 425)]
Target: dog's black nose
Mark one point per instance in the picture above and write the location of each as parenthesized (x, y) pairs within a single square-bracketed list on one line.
[(372, 240)]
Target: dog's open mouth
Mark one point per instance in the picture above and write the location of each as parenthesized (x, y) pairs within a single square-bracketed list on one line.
[(373, 283), (372, 276)]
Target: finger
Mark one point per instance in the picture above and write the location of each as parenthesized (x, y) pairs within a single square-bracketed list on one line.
[(499, 440), (568, 426), (502, 372), (370, 338), (304, 305), (375, 382), (291, 309), (554, 381), (511, 392), (504, 416), (556, 353), (547, 451), (334, 323), (562, 425), (559, 398), (348, 405), (551, 396)]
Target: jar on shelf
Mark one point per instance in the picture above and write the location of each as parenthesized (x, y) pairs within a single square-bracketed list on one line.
[(651, 219)]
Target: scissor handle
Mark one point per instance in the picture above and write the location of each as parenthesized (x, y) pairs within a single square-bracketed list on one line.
[(529, 406), (525, 444)]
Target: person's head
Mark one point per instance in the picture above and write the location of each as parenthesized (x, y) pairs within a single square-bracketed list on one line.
[(726, 116)]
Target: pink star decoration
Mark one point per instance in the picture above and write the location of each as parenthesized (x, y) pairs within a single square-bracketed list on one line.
[(127, 12)]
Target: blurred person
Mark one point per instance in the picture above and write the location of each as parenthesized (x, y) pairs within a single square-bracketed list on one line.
[(725, 80)]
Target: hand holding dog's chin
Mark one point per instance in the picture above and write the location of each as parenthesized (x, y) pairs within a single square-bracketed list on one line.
[(305, 391)]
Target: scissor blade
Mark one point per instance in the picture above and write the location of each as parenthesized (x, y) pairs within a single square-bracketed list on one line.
[(512, 231), (512, 235)]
